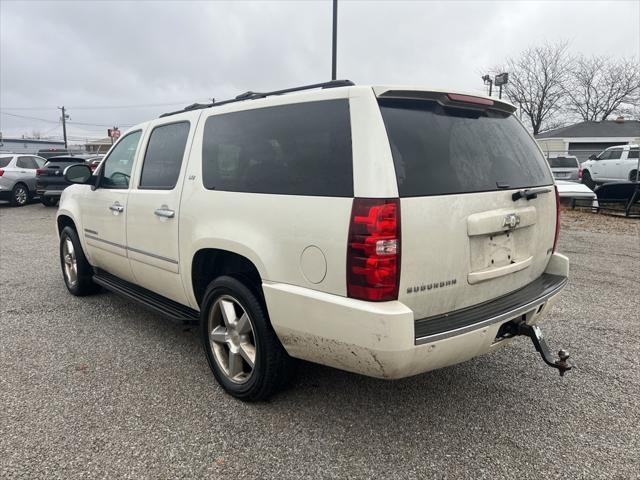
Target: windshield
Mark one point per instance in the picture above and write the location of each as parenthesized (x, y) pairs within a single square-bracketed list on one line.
[(563, 162), (440, 150)]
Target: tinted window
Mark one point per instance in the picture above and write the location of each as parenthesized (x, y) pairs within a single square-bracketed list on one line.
[(563, 162), (440, 150), (634, 153), (4, 161), (26, 162), (299, 149), (164, 154), (116, 172), (614, 154)]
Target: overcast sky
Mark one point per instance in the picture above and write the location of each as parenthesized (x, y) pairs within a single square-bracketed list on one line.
[(92, 55)]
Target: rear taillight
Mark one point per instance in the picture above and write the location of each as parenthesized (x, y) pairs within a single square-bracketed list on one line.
[(40, 172), (1, 172), (580, 173), (373, 251), (555, 239)]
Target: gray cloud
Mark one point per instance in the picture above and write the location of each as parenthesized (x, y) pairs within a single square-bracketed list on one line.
[(116, 53)]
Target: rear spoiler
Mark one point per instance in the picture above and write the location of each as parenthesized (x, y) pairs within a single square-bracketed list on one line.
[(450, 99)]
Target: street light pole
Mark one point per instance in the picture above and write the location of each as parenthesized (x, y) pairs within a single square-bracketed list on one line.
[(334, 45)]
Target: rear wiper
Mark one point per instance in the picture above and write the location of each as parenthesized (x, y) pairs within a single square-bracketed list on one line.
[(529, 193)]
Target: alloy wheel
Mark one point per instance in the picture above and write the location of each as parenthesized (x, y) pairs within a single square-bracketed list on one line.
[(70, 262), (232, 339), (20, 195)]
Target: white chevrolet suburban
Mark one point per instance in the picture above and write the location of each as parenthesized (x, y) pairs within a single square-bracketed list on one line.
[(380, 230)]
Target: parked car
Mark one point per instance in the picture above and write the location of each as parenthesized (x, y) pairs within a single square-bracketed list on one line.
[(565, 168), (47, 153), (380, 230), (614, 164), (569, 192), (50, 178), (18, 178)]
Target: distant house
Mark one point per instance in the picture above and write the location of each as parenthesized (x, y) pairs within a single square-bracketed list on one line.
[(28, 145), (98, 146), (587, 138)]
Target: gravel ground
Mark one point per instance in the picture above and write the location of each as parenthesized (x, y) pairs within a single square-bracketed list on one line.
[(99, 387)]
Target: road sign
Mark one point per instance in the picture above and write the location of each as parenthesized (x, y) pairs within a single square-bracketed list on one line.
[(113, 133)]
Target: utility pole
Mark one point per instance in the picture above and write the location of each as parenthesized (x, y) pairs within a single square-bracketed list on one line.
[(334, 45), (65, 117)]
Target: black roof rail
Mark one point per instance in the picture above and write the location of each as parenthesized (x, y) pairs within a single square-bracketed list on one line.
[(254, 95)]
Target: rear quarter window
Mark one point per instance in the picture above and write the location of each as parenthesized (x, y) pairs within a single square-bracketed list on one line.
[(4, 161), (441, 150), (297, 149)]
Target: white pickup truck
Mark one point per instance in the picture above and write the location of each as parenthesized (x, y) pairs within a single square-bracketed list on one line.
[(614, 164)]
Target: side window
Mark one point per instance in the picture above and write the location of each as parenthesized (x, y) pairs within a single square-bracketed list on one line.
[(614, 154), (39, 161), (26, 162), (163, 158), (634, 153), (298, 149), (116, 172)]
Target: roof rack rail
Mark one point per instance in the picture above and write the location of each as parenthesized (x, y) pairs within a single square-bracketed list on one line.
[(254, 95)]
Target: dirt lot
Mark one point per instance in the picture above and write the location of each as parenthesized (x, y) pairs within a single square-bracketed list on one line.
[(99, 387)]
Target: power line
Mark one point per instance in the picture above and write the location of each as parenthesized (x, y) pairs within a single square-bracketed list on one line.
[(58, 121), (106, 107)]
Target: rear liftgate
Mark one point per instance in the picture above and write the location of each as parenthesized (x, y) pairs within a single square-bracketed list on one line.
[(520, 327)]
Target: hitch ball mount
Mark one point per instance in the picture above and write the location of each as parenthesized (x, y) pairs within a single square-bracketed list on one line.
[(535, 334)]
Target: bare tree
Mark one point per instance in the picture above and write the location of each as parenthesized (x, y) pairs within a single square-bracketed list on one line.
[(600, 86), (536, 83), (36, 134)]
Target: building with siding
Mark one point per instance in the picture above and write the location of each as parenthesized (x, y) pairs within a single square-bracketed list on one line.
[(587, 138), (28, 145)]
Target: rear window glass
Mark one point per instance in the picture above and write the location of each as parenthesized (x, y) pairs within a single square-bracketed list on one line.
[(441, 150), (4, 161), (298, 149), (563, 162), (634, 153)]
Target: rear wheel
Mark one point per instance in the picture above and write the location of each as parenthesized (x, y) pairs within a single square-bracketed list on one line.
[(19, 195), (587, 180), (49, 201), (242, 349), (76, 270)]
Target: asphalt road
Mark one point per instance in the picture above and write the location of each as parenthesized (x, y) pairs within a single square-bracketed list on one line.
[(100, 387)]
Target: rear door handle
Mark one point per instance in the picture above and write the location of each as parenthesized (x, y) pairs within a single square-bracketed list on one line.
[(117, 208), (165, 212)]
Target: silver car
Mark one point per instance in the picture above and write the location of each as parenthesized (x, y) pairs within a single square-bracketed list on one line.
[(18, 177), (566, 168)]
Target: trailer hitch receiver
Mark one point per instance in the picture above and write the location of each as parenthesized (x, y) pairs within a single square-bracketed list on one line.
[(535, 334)]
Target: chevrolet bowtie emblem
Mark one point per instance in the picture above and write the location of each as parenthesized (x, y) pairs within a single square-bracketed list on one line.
[(511, 221)]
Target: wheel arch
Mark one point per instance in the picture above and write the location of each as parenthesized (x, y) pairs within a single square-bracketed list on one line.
[(208, 264)]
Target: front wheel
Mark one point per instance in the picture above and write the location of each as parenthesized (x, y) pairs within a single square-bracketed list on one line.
[(634, 176), (76, 270), (243, 351)]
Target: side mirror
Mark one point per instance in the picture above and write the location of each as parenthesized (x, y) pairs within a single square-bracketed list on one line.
[(593, 157), (78, 174)]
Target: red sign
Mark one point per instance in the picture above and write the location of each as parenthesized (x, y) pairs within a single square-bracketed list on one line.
[(113, 133)]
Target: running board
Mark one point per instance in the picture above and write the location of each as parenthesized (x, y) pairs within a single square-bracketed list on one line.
[(173, 310)]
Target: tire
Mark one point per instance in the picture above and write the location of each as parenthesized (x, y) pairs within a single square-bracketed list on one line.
[(49, 201), (587, 180), (633, 176), (76, 270), (19, 195), (240, 341)]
